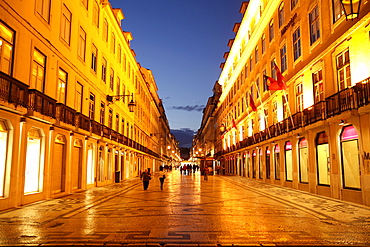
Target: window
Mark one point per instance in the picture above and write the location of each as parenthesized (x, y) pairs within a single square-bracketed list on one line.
[(297, 43), (65, 30), (350, 158), (92, 106), (62, 85), (43, 9), (314, 25), (113, 43), (343, 70), (81, 43), (277, 161), (256, 58), (6, 48), (117, 122), (78, 97), (293, 3), (318, 86), (264, 81), (118, 86), (281, 15), (283, 59), (96, 14), (285, 106), (4, 134), (288, 161), (123, 126), (338, 11), (274, 112), (34, 166), (111, 79), (38, 70), (299, 97), (94, 57), (273, 70), (251, 63), (102, 112), (303, 160), (119, 55), (271, 30), (110, 118), (263, 44), (104, 70), (323, 160), (105, 30)]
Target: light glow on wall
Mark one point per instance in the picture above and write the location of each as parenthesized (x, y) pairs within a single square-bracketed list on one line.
[(33, 158)]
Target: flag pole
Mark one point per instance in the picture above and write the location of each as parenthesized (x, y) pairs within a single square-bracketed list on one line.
[(264, 116)]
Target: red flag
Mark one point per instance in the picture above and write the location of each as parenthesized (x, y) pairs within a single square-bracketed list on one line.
[(280, 77), (234, 124), (274, 84), (251, 103)]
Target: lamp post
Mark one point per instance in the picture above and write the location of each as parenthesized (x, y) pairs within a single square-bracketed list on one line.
[(351, 8), (112, 99)]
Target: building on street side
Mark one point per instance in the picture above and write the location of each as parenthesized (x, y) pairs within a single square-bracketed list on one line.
[(76, 108), (294, 108)]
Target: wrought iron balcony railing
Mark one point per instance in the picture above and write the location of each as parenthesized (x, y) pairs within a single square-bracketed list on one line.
[(13, 91)]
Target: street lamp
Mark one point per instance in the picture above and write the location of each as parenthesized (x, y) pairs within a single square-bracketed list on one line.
[(351, 8), (112, 99)]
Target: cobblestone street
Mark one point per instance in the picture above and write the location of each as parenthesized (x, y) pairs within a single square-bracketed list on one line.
[(225, 210)]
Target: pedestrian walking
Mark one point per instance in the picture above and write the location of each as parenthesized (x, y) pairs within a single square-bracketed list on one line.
[(162, 176), (145, 176), (205, 171)]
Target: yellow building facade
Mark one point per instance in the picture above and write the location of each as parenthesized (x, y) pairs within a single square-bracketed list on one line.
[(313, 135), (68, 80)]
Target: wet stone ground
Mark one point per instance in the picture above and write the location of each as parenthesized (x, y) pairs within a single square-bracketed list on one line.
[(224, 211)]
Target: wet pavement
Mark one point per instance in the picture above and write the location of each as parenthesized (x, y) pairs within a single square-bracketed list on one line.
[(224, 211)]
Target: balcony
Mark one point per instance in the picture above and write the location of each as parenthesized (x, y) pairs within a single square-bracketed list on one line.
[(66, 114), (41, 103), (106, 131), (83, 122), (345, 100), (13, 91), (96, 128)]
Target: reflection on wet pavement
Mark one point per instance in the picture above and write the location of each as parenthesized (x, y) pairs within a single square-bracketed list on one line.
[(223, 211)]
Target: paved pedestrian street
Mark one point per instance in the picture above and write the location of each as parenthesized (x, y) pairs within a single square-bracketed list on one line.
[(224, 210)]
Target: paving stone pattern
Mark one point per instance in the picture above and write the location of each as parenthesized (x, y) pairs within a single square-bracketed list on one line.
[(223, 211)]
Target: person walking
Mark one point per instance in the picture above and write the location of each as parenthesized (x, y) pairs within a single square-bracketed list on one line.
[(205, 171), (162, 176), (145, 176)]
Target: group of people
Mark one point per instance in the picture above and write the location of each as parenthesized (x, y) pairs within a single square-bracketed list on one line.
[(188, 169), (146, 177)]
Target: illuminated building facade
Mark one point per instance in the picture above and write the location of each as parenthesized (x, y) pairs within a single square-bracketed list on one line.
[(68, 83), (312, 135)]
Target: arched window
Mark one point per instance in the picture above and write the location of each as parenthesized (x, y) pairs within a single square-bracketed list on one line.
[(267, 161), (323, 160), (303, 157), (350, 158), (34, 172), (277, 161), (288, 161), (4, 143)]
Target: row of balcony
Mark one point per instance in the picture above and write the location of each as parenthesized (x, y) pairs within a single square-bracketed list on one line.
[(345, 100), (19, 94)]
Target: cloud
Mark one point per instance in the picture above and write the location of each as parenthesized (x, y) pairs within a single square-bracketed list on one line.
[(189, 107), (184, 136)]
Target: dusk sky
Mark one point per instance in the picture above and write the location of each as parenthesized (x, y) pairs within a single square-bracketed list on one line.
[(183, 43)]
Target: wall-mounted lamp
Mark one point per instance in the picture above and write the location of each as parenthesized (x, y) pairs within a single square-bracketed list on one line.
[(351, 8), (298, 136), (342, 122), (112, 99), (222, 128)]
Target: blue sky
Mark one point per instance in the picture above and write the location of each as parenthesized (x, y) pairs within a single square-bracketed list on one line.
[(183, 43)]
